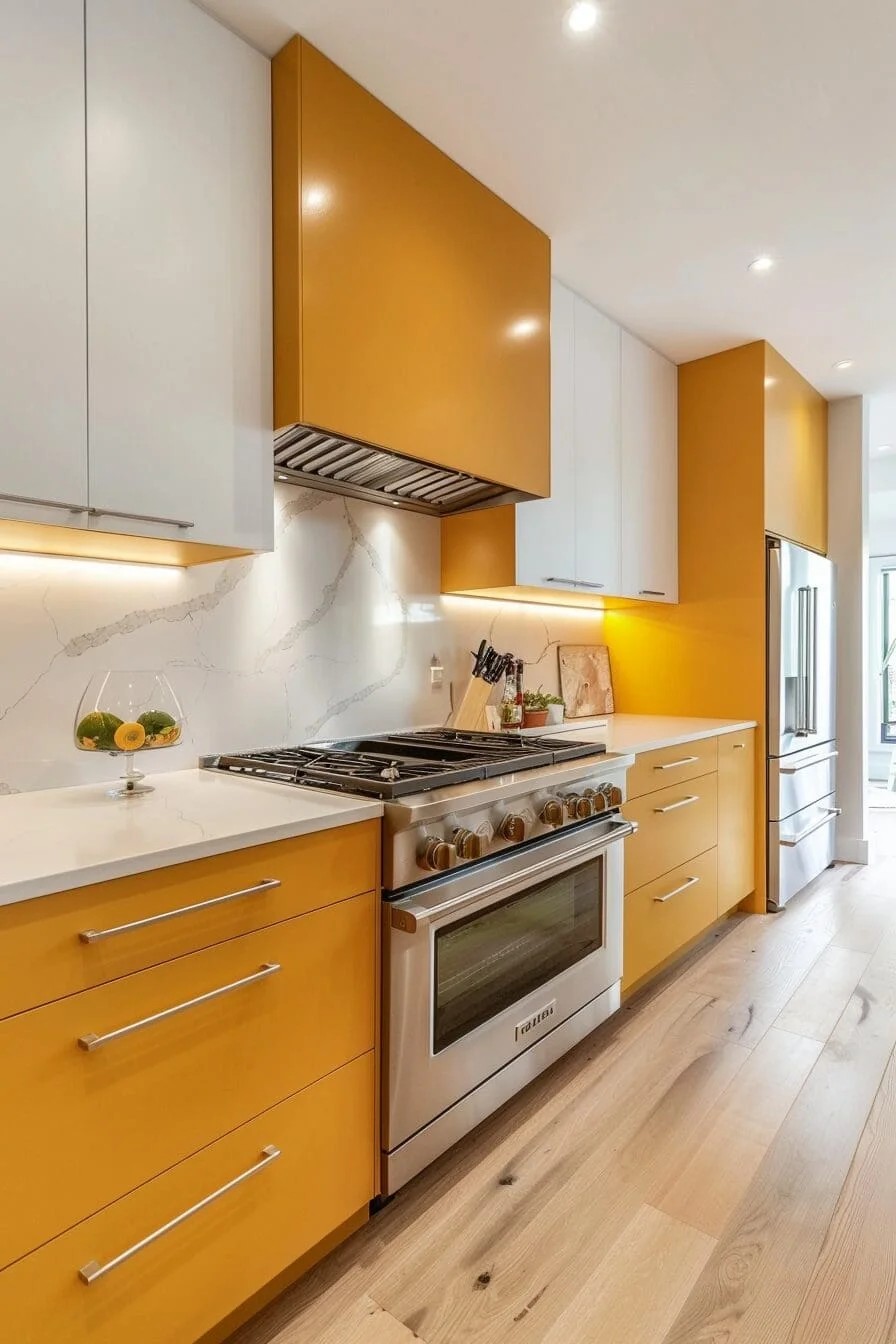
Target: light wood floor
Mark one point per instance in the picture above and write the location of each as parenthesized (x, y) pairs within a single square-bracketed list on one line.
[(716, 1164)]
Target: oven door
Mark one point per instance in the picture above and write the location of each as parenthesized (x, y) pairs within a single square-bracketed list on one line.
[(482, 964)]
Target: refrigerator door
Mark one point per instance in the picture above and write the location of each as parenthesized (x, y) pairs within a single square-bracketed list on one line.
[(800, 649)]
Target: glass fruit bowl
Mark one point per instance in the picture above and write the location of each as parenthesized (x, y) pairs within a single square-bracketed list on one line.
[(123, 713)]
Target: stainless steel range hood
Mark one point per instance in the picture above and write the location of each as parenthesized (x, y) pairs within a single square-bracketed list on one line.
[(325, 461)]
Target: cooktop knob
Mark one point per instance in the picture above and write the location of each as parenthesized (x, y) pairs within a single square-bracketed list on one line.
[(437, 855), (552, 812), (600, 798), (513, 827), (468, 844), (578, 807), (612, 793)]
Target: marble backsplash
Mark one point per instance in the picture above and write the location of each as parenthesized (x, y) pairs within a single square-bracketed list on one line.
[(330, 635)]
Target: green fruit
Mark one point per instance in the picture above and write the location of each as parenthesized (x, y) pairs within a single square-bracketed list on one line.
[(154, 721), (99, 728)]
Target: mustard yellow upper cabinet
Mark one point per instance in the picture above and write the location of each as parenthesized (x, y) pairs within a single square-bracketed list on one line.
[(412, 305), (796, 456)]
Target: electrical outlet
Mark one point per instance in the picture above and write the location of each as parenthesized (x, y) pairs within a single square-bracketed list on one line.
[(436, 674)]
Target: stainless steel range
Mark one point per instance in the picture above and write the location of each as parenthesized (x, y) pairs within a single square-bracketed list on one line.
[(502, 886)]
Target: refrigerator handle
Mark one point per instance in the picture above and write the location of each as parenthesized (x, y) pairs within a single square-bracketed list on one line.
[(774, 673), (803, 659), (812, 687)]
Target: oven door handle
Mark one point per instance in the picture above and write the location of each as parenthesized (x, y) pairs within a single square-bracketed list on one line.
[(411, 918)]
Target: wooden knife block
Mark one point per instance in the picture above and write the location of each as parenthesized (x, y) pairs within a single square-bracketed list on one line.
[(470, 713)]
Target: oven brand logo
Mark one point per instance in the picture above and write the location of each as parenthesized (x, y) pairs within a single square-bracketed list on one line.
[(528, 1025)]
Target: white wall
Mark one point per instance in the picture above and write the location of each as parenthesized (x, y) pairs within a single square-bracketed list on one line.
[(330, 635), (848, 547)]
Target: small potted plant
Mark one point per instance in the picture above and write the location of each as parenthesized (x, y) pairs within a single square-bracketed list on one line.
[(556, 708), (535, 708)]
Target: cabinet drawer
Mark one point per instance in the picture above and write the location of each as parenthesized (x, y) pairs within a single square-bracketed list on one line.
[(674, 824), (181, 1284), (46, 957), (654, 770), (101, 1120), (663, 915)]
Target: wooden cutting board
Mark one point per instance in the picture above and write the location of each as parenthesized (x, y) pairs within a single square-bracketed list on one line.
[(586, 682)]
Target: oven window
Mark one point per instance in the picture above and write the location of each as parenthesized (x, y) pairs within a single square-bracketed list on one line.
[(489, 960)]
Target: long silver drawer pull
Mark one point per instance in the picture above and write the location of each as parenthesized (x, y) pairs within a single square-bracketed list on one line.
[(572, 582), (93, 1042), (97, 935), (806, 765), (93, 1270), (651, 592), (790, 841), (575, 583), (691, 882), (682, 802), (141, 518), (584, 583), (675, 765), (45, 503)]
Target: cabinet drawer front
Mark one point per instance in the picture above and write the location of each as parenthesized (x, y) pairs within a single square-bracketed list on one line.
[(110, 1087), (654, 770), (663, 915), (46, 954), (182, 1283), (674, 824)]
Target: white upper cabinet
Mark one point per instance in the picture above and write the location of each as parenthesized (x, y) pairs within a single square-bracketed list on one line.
[(545, 529), (597, 450), (649, 473), (43, 331), (610, 526), (179, 275)]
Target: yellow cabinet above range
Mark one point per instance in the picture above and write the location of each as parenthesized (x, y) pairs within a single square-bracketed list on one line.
[(411, 307), (610, 527)]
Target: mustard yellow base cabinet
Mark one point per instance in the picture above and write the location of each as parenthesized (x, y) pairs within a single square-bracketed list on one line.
[(254, 1201), (76, 939), (665, 914), (260, 1017), (692, 858), (737, 792)]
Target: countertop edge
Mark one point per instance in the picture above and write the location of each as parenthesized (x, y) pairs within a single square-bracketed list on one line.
[(657, 744)]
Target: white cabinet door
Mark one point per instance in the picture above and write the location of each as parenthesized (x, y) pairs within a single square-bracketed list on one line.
[(649, 416), (179, 275), (545, 529), (43, 343), (597, 484)]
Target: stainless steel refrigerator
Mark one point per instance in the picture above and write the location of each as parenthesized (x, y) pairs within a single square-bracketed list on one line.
[(802, 746)]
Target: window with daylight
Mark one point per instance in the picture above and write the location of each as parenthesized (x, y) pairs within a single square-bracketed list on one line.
[(888, 655)]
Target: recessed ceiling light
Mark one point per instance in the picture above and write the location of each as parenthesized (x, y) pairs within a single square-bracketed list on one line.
[(844, 364), (582, 16), (761, 264)]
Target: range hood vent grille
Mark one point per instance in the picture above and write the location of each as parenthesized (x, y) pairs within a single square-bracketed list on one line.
[(324, 461)]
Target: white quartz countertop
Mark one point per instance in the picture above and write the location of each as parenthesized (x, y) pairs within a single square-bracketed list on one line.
[(54, 839), (642, 732)]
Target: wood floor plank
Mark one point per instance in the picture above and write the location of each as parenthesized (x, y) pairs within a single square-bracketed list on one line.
[(637, 1290), (752, 1287), (726, 1154), (815, 1008), (364, 1322), (852, 1293)]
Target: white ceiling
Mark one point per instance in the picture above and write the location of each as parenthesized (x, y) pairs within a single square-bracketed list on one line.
[(663, 152)]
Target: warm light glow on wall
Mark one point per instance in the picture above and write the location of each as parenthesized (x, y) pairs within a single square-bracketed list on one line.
[(505, 607), (109, 570)]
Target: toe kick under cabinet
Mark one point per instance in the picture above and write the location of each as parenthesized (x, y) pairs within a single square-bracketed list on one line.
[(692, 859), (189, 1102)]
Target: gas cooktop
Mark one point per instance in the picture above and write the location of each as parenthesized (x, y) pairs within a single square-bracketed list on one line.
[(397, 764)]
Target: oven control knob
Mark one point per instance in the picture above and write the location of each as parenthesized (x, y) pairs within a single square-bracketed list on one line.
[(513, 827), (577, 807), (437, 855), (613, 794), (600, 798), (468, 844), (552, 812)]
